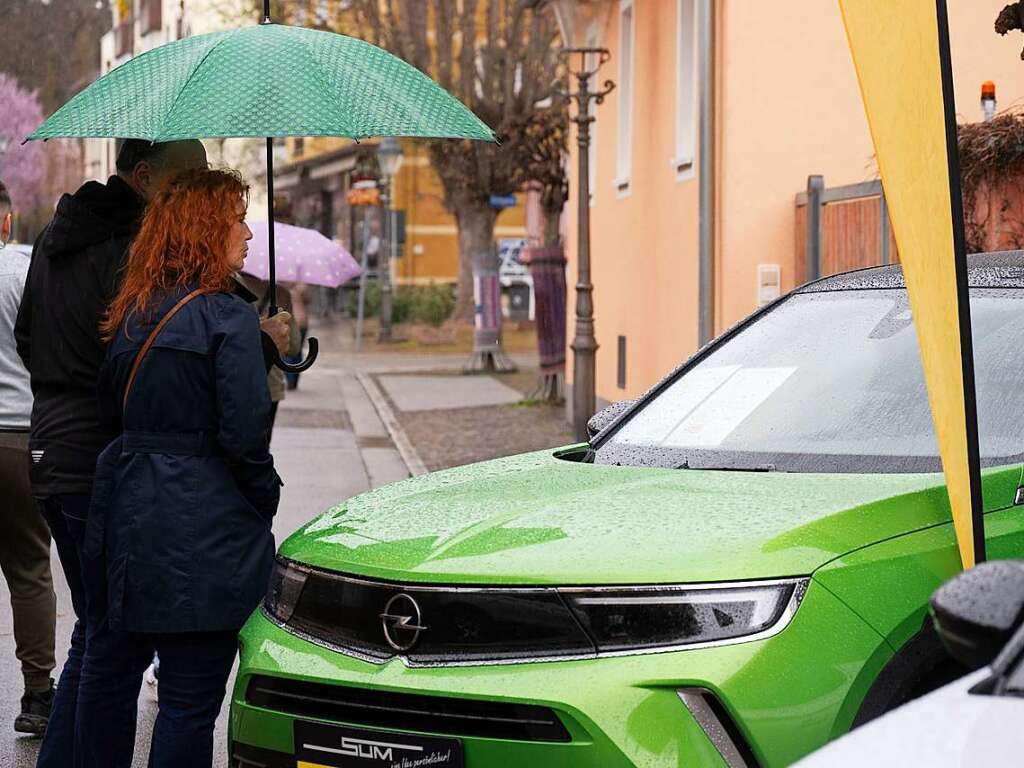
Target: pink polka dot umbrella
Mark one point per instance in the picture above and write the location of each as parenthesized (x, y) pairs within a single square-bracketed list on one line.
[(303, 256)]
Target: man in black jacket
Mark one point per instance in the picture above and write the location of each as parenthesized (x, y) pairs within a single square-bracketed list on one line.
[(74, 275)]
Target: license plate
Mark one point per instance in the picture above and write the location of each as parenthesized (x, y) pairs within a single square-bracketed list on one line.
[(338, 746)]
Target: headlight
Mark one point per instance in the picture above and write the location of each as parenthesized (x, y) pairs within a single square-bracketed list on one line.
[(286, 583), (655, 617)]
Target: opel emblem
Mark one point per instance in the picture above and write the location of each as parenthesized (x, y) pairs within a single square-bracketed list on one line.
[(402, 622)]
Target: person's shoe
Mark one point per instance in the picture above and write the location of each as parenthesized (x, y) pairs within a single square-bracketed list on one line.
[(35, 711)]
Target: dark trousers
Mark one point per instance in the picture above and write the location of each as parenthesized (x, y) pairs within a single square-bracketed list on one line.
[(293, 378), (86, 580), (194, 669), (25, 561)]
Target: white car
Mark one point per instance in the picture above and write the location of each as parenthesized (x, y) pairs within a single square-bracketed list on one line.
[(952, 726), (974, 721)]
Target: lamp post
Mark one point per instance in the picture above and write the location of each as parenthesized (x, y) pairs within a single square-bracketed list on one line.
[(389, 157), (583, 24)]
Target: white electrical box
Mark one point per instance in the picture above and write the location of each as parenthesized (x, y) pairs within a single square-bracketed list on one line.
[(769, 283)]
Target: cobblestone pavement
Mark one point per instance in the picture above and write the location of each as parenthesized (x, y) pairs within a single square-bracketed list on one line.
[(329, 444)]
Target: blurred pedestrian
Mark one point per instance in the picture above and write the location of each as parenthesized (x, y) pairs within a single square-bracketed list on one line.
[(185, 379), (300, 300), (24, 536), (275, 376)]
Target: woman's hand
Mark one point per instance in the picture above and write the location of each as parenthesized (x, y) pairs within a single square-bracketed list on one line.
[(277, 328)]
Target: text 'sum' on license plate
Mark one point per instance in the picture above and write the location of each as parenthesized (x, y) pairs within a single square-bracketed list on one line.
[(338, 746)]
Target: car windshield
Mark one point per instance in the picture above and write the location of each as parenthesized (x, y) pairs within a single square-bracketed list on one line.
[(828, 382)]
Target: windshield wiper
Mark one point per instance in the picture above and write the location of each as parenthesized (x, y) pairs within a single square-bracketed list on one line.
[(755, 468)]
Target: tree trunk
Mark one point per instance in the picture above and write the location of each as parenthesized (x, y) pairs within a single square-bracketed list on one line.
[(552, 228), (476, 236)]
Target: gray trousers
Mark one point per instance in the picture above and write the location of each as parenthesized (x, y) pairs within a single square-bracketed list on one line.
[(25, 561)]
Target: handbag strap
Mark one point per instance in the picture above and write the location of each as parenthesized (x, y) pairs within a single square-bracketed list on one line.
[(152, 338)]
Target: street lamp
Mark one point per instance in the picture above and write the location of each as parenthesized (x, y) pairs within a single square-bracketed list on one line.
[(389, 158), (582, 23)]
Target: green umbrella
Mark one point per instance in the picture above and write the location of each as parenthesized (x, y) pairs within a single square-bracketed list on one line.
[(264, 80)]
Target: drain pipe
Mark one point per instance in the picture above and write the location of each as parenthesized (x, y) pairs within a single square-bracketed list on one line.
[(706, 169)]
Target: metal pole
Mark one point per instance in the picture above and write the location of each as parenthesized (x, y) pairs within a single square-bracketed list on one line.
[(706, 169), (584, 344), (272, 276), (385, 263), (815, 187), (364, 262), (883, 228)]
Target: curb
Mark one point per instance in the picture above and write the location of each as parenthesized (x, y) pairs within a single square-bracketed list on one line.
[(412, 460)]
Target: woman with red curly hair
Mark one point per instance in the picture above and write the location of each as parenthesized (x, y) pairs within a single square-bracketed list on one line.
[(184, 497)]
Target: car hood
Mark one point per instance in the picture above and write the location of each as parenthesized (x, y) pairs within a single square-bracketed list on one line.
[(538, 519)]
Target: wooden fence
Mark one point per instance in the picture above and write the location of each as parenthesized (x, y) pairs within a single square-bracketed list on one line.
[(841, 228)]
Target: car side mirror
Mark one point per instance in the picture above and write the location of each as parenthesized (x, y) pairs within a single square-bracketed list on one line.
[(606, 416), (976, 613)]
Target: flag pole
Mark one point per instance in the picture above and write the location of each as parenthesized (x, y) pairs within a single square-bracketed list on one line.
[(962, 285)]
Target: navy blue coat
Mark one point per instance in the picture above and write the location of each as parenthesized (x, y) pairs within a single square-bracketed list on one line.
[(185, 496)]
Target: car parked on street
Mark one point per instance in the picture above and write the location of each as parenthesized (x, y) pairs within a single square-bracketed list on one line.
[(734, 571), (974, 720)]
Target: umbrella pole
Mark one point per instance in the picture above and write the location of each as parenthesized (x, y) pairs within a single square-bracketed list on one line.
[(272, 275), (311, 342)]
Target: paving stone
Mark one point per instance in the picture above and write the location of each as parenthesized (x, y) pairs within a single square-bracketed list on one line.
[(432, 393)]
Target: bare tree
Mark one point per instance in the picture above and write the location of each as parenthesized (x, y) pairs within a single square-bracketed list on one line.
[(1011, 18), (500, 58), (543, 138)]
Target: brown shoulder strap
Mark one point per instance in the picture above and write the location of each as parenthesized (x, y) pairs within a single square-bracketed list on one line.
[(152, 337)]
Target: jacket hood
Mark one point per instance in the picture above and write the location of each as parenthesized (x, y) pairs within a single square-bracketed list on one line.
[(93, 214), (535, 519)]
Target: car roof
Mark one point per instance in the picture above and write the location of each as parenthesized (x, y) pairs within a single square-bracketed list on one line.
[(1002, 269)]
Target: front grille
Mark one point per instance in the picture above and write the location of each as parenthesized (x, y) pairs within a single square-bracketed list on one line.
[(405, 711), (456, 624)]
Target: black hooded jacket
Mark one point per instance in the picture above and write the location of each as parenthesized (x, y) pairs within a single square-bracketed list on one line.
[(74, 275)]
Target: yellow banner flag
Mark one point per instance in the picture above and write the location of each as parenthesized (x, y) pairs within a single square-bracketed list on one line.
[(901, 54)]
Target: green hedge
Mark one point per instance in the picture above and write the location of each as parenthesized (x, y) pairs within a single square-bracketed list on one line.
[(430, 304)]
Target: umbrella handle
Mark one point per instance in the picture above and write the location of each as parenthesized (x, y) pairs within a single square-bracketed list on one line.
[(314, 350)]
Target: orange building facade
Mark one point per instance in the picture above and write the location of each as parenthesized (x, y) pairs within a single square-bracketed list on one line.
[(785, 105), (318, 172)]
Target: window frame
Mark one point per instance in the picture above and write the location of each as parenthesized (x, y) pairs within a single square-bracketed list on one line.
[(685, 151), (627, 76)]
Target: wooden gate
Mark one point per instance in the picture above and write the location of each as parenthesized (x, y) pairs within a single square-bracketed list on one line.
[(841, 228)]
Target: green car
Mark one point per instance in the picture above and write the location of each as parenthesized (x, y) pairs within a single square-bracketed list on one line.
[(733, 572)]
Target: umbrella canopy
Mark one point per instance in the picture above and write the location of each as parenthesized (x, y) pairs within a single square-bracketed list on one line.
[(264, 80), (303, 256)]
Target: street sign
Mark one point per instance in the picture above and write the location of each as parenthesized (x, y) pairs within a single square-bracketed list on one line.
[(363, 196), (503, 201)]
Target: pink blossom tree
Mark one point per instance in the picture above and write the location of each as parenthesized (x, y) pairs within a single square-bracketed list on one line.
[(21, 165)]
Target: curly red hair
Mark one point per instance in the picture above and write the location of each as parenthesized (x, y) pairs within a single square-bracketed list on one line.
[(183, 241)]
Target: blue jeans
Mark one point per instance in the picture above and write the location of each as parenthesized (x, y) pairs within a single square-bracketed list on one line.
[(66, 517), (194, 669)]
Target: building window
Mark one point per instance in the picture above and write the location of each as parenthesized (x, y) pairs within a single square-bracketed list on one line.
[(625, 138), (686, 87)]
